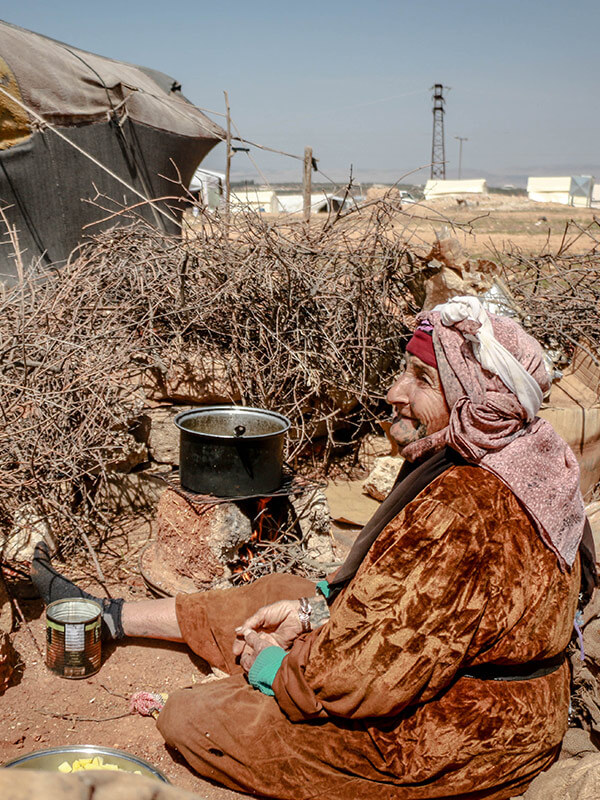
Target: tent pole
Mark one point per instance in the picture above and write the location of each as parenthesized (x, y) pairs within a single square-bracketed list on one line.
[(306, 182), (228, 162)]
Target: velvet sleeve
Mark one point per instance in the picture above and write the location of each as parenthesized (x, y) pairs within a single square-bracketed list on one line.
[(402, 628)]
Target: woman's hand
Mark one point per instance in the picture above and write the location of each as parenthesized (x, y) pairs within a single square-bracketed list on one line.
[(280, 620), (253, 644)]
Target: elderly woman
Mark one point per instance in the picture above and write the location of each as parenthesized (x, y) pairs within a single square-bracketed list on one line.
[(432, 664)]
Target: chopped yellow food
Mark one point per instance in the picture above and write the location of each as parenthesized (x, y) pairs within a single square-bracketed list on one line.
[(97, 762)]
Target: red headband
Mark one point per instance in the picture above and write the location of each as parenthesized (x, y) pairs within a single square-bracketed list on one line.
[(421, 346)]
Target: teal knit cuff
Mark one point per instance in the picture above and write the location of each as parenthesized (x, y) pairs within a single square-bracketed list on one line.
[(324, 588), (262, 673)]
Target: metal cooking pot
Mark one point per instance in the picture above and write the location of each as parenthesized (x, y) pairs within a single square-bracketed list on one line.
[(231, 451)]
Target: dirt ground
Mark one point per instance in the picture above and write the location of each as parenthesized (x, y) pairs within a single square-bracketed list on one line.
[(42, 710), (495, 223)]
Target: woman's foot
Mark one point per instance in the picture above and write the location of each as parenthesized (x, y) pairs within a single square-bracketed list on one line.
[(52, 586)]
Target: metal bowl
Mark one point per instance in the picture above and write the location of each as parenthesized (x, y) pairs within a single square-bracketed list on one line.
[(48, 760)]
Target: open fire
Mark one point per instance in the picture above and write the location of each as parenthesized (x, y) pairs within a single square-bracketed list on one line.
[(273, 528)]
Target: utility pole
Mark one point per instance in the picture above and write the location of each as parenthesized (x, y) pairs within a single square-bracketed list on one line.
[(438, 151), (461, 139), (307, 182)]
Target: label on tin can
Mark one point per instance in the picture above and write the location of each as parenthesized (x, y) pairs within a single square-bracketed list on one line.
[(74, 636)]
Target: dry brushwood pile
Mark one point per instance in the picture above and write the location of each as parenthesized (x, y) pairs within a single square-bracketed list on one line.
[(310, 321), (558, 295)]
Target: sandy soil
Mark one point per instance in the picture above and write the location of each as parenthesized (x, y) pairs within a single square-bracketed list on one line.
[(495, 223), (42, 710), (487, 225)]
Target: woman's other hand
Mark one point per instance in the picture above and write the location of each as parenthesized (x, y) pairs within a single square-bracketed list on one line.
[(253, 643), (280, 620)]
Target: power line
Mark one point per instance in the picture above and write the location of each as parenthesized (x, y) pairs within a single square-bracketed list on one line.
[(461, 139)]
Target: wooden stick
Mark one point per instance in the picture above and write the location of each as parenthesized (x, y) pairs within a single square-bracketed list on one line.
[(88, 544), (306, 182), (27, 628), (228, 161), (75, 718)]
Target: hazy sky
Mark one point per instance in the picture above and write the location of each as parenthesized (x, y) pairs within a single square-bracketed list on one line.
[(351, 78)]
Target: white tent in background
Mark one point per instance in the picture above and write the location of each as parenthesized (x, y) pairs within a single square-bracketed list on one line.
[(437, 188), (570, 190), (208, 188), (254, 199), (320, 202)]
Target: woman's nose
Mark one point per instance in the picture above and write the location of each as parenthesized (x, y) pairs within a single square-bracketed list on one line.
[(398, 391)]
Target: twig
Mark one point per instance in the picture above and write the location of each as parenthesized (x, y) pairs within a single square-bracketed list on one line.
[(114, 694), (26, 626), (75, 718), (93, 556)]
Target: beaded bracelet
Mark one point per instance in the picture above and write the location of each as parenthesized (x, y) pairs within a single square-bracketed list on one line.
[(304, 613)]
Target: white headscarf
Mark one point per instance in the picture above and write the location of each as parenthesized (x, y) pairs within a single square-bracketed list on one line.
[(491, 354)]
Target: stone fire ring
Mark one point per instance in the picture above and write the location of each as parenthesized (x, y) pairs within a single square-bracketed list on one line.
[(161, 579)]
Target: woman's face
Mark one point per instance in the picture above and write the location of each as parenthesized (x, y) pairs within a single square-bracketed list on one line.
[(418, 401)]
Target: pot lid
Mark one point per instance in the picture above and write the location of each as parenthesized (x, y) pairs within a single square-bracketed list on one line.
[(232, 422)]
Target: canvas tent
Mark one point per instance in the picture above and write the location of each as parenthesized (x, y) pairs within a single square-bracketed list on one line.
[(263, 200), (437, 188), (59, 103), (569, 190), (320, 203)]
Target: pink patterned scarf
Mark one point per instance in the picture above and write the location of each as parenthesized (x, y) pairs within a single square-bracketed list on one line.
[(489, 426)]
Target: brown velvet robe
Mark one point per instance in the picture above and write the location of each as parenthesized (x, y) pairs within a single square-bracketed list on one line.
[(371, 705)]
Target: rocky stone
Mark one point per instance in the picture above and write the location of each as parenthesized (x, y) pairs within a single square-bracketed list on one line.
[(192, 379), (382, 477), (131, 455), (6, 612), (8, 660), (592, 511), (163, 438), (371, 448), (573, 410), (135, 491), (343, 401), (312, 511), (140, 430), (30, 526), (197, 540)]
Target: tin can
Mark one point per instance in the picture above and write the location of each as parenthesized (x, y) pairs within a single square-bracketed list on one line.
[(73, 646)]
